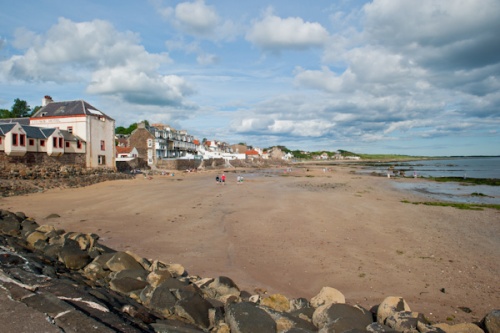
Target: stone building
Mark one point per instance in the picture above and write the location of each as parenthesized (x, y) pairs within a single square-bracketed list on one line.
[(160, 142)]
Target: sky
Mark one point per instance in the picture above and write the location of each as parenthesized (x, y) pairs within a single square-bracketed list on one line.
[(375, 77)]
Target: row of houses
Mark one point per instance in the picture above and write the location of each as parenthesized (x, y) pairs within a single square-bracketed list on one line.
[(76, 128), (62, 128)]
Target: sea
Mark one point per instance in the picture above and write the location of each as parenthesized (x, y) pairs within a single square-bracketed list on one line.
[(463, 167)]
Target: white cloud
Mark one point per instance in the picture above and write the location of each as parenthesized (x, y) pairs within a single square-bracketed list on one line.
[(114, 63), (200, 20), (140, 88), (275, 33), (196, 17)]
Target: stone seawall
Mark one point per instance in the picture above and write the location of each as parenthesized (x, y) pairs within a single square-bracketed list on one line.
[(81, 285), (23, 180)]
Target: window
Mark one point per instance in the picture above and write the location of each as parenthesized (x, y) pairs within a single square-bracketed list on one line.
[(103, 145), (42, 143), (54, 142), (101, 159), (22, 140), (67, 144), (61, 142), (0, 140), (150, 143), (14, 139), (78, 144), (70, 129), (31, 142)]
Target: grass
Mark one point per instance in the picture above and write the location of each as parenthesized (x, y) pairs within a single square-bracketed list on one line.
[(468, 181), (466, 206)]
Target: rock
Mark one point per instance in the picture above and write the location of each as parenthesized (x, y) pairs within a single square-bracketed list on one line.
[(176, 270), (286, 321), (405, 321), (34, 237), (277, 302), (389, 306), (138, 274), (174, 326), (195, 309), (120, 261), (344, 316), (159, 298), (46, 228), (222, 286), (299, 303), (459, 328), (326, 296), (379, 328), (28, 226), (156, 277), (126, 284), (491, 322), (72, 256), (146, 264), (246, 317), (10, 225)]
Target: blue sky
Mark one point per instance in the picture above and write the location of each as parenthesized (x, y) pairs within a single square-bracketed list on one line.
[(383, 76)]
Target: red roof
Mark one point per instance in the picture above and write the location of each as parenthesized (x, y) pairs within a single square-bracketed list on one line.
[(252, 152), (123, 150)]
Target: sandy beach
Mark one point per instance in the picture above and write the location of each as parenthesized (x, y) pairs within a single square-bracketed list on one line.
[(293, 233)]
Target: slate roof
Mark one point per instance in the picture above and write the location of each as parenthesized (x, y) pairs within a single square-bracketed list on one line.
[(69, 108), (6, 128), (22, 121), (38, 132)]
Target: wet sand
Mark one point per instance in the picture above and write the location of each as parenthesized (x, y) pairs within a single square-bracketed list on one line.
[(293, 233)]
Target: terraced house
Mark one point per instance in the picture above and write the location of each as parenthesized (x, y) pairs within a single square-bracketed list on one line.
[(75, 132), (160, 142)]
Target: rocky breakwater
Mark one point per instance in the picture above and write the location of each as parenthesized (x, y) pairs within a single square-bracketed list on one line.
[(77, 284)]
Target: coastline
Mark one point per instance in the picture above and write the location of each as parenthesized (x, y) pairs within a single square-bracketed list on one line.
[(294, 234)]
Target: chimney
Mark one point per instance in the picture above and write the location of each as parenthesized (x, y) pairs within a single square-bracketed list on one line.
[(46, 100)]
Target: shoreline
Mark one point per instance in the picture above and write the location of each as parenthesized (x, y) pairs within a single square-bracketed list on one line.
[(294, 235)]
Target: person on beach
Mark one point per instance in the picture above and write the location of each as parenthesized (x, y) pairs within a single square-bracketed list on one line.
[(223, 179), (217, 179)]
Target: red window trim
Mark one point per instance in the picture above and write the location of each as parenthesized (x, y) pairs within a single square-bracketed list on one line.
[(67, 144), (31, 142), (42, 143), (15, 141), (22, 140)]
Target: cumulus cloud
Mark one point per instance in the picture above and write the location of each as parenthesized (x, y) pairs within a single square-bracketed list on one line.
[(456, 34), (113, 62), (413, 67), (199, 20), (196, 17), (274, 33)]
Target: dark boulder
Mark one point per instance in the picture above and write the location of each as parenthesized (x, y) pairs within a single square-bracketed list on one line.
[(246, 317)]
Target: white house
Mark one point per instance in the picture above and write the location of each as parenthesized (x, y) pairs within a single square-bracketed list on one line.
[(86, 123)]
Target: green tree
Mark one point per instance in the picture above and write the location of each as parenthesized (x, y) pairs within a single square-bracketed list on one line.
[(20, 109), (4, 113)]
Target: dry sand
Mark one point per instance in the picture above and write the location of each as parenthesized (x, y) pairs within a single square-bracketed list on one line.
[(295, 234)]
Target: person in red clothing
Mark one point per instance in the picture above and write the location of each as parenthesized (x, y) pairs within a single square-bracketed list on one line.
[(223, 179)]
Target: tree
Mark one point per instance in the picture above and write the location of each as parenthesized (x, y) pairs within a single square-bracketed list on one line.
[(4, 113), (20, 109)]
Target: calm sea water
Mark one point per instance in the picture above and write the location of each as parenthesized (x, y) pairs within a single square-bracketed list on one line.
[(471, 167)]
